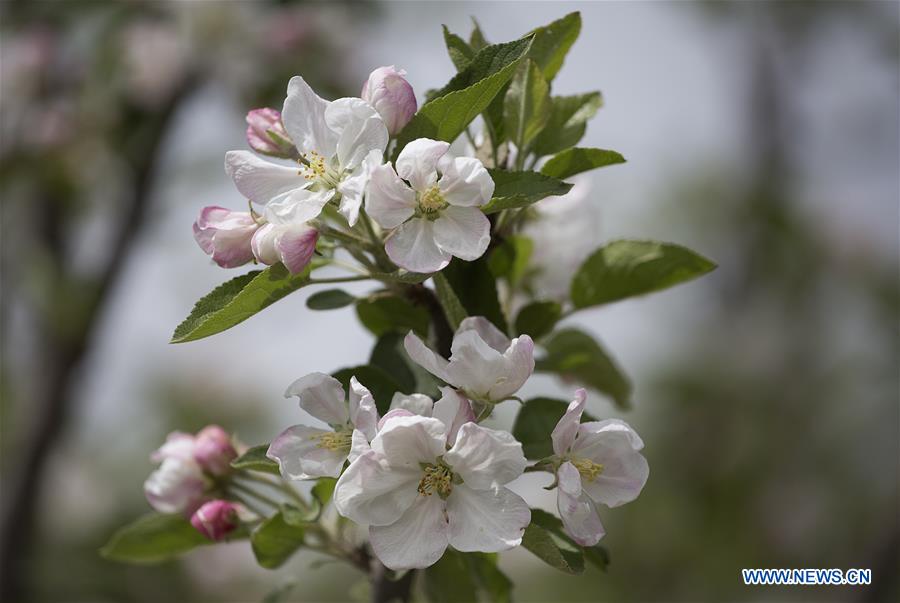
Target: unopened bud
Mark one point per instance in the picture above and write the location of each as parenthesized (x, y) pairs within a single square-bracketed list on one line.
[(225, 235), (216, 519), (266, 134), (213, 450), (392, 96)]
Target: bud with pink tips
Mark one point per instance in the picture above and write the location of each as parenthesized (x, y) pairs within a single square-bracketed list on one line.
[(213, 450), (225, 235), (216, 519), (266, 134), (392, 96)]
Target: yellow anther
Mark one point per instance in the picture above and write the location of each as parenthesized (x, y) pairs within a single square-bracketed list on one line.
[(432, 200), (588, 469), (334, 440), (438, 478)]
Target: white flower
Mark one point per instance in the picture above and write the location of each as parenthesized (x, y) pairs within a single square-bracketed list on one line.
[(178, 485), (453, 409), (483, 363), (339, 143), (432, 201), (225, 235), (304, 452), (600, 464), (417, 497)]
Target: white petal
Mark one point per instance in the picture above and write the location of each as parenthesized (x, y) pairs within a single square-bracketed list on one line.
[(393, 413), (359, 445), (412, 246), (178, 445), (297, 206), (486, 330), (577, 511), (422, 355), (259, 180), (482, 372), (303, 116), (389, 200), (371, 492), (418, 161), (263, 244), (363, 413), (417, 404), (409, 441), (176, 486), (322, 396), (519, 362), (296, 245), (353, 187), (359, 128), (416, 540), (563, 435), (463, 231), (485, 458), (453, 410), (465, 182), (613, 444), (486, 520), (299, 456)]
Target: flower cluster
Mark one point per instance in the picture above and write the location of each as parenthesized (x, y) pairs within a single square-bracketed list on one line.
[(333, 153)]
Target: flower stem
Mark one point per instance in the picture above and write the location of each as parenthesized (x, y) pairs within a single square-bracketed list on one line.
[(251, 492), (339, 279)]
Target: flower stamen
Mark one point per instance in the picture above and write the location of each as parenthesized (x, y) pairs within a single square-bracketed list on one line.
[(588, 469), (334, 440), (431, 201), (438, 478)]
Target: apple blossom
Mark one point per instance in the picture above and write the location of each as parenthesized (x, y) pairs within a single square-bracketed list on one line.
[(453, 409), (392, 96), (281, 240), (216, 519), (339, 142), (484, 364), (225, 235), (597, 462), (418, 497), (432, 202), (304, 452), (178, 485), (214, 450), (266, 134)]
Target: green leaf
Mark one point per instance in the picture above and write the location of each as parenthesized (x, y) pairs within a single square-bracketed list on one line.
[(535, 421), (300, 518), (552, 42), (567, 123), (576, 160), (553, 550), (390, 356), (453, 308), (521, 189), (526, 107), (255, 459), (509, 259), (449, 580), (324, 489), (476, 39), (281, 593), (623, 269), (493, 583), (382, 385), (401, 276), (275, 540), (538, 318), (153, 538), (468, 94), (330, 299), (460, 52), (237, 300), (596, 556), (476, 289), (575, 355), (386, 313)]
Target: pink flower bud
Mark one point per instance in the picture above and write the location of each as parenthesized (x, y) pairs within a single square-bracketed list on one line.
[(213, 450), (266, 134), (392, 96), (225, 235), (176, 487), (216, 519), (291, 244)]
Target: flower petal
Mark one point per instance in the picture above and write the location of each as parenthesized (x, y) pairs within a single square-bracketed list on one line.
[(296, 246), (259, 180), (353, 187), (409, 441), (563, 435), (359, 445), (371, 492), (483, 372), (299, 456), (485, 458), (417, 404), (422, 355), (491, 335), (463, 231), (416, 540), (453, 410), (176, 486), (615, 445), (577, 510), (178, 445), (389, 200), (418, 161), (412, 246), (486, 520), (297, 207), (465, 182), (322, 396), (363, 413), (303, 116), (359, 128)]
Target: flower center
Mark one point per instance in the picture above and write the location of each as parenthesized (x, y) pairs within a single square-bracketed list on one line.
[(334, 440), (431, 201), (314, 168), (588, 469), (438, 478)]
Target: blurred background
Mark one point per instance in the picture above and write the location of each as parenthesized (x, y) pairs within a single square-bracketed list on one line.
[(763, 135)]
